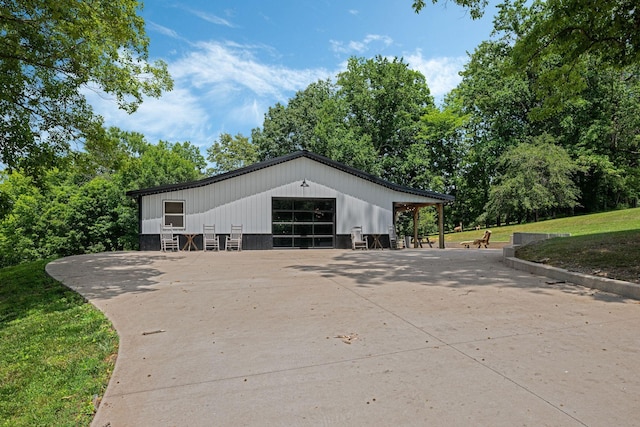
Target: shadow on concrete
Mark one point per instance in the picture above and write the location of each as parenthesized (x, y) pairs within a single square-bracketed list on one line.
[(462, 269), (111, 273)]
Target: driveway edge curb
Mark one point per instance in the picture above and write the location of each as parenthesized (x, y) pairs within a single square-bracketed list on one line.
[(619, 287)]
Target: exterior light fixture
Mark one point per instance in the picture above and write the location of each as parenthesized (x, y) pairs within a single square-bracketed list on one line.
[(304, 183)]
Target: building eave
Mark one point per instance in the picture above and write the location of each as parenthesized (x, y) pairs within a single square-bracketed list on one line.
[(445, 198)]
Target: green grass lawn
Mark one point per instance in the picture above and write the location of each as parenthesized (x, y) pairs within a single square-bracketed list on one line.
[(615, 255), (605, 244), (57, 352), (607, 222)]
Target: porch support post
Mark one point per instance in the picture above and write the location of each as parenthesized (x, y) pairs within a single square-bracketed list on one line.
[(440, 225), (415, 227)]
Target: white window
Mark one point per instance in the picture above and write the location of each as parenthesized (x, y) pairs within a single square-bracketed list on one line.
[(173, 213)]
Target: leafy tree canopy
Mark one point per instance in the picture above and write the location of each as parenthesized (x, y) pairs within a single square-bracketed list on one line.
[(231, 152), (476, 7), (368, 119), (51, 51), (385, 100), (292, 127), (553, 38), (82, 207), (536, 178), (608, 28)]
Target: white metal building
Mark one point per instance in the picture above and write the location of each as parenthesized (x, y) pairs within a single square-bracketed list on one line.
[(301, 200)]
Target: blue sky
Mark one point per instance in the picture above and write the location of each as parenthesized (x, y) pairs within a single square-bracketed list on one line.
[(232, 60)]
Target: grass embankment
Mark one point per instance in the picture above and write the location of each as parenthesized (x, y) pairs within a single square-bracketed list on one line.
[(605, 244), (57, 352), (607, 222)]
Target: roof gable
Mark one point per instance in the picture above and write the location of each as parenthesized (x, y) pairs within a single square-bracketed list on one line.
[(283, 159)]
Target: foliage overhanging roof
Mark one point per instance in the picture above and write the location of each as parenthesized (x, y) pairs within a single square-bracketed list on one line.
[(278, 160)]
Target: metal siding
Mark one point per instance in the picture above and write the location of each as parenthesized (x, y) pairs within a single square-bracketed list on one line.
[(246, 199)]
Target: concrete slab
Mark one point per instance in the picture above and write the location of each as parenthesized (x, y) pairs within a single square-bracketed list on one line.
[(412, 337)]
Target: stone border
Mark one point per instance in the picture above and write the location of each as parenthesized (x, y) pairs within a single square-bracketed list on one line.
[(619, 287)]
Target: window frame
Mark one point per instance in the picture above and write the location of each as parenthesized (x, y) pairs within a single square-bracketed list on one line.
[(183, 215)]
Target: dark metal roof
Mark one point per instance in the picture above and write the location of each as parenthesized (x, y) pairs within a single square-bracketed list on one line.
[(272, 162)]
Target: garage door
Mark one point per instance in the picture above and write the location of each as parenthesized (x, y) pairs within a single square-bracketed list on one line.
[(303, 223)]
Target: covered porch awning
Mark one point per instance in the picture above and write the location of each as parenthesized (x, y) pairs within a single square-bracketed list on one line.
[(399, 207)]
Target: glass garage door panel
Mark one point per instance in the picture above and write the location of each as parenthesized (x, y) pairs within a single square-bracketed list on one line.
[(303, 223)]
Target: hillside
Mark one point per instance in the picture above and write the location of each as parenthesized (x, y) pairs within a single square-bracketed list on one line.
[(604, 244), (607, 222)]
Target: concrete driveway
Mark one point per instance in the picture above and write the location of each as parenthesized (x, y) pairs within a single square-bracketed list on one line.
[(411, 337)]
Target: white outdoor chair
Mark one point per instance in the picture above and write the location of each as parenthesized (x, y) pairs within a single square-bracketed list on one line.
[(210, 241), (234, 240), (358, 241), (168, 241), (393, 238)]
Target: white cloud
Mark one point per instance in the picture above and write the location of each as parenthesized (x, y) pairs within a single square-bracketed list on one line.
[(176, 116), (163, 30), (216, 86), (385, 40), (442, 73), (228, 68), (249, 113), (360, 46), (214, 19), (225, 86)]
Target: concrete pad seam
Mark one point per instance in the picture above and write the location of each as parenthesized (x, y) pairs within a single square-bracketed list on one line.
[(388, 311), (565, 328), (464, 354), (278, 371), (517, 384)]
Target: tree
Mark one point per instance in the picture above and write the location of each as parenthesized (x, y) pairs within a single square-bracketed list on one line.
[(557, 40), (229, 153), (535, 178), (51, 52), (315, 120), (69, 211), (160, 164), (332, 137), (476, 7), (370, 119), (496, 105), (60, 218), (292, 127), (386, 100), (443, 133), (610, 29), (553, 38), (598, 126), (600, 129)]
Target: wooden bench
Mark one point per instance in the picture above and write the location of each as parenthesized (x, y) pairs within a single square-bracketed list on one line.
[(484, 240)]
